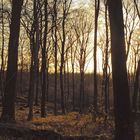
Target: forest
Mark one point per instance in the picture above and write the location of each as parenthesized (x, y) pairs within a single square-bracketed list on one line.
[(69, 70)]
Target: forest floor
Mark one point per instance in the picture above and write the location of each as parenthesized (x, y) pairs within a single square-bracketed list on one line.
[(71, 124)]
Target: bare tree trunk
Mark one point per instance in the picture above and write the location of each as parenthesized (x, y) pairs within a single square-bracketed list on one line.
[(2, 54), (73, 88), (8, 110), (65, 83), (68, 78), (54, 38), (73, 78), (43, 99), (62, 57), (47, 88), (31, 91), (82, 91), (21, 71), (124, 129), (95, 98), (62, 86), (136, 88), (106, 90), (34, 59), (37, 84), (30, 82)]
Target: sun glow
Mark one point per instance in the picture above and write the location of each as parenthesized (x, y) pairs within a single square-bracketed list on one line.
[(90, 63)]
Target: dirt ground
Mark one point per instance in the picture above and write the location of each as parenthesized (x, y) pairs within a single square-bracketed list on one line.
[(70, 124)]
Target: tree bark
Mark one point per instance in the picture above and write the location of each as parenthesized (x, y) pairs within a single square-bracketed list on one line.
[(34, 58), (54, 38), (62, 57), (43, 98), (124, 129), (136, 88), (2, 52), (8, 110), (97, 6), (106, 82)]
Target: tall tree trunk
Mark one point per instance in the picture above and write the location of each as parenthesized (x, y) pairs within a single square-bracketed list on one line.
[(2, 54), (30, 82), (34, 50), (68, 78), (8, 110), (106, 63), (54, 38), (37, 85), (21, 71), (73, 87), (62, 86), (124, 129), (95, 97), (47, 75), (136, 88), (31, 91), (73, 52), (43, 98), (62, 57), (65, 83), (81, 91)]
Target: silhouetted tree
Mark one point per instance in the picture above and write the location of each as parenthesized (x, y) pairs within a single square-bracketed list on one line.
[(106, 65), (55, 45), (8, 110), (35, 45), (65, 9), (2, 49), (124, 129), (82, 28), (136, 87), (95, 92), (43, 97)]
